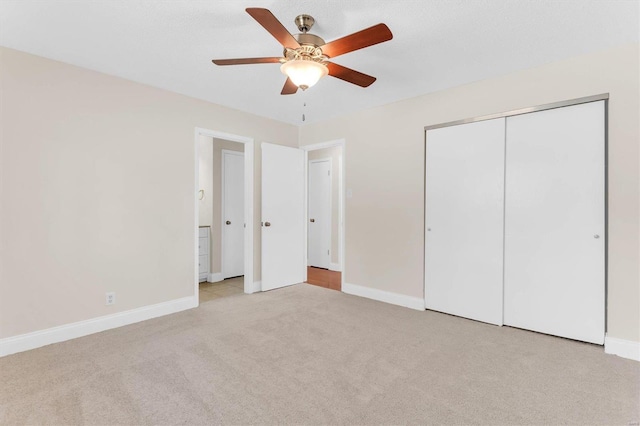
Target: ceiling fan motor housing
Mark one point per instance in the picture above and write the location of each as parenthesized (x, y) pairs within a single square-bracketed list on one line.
[(309, 48), (311, 39), (304, 22), (306, 52)]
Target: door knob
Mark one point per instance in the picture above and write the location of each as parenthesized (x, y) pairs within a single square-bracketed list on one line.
[(312, 220), (267, 224), (228, 222)]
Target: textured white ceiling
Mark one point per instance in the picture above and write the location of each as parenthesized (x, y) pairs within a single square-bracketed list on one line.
[(437, 44)]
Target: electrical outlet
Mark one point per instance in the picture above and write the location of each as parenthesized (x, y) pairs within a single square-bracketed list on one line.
[(111, 298)]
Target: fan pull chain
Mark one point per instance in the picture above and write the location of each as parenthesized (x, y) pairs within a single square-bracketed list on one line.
[(303, 105)]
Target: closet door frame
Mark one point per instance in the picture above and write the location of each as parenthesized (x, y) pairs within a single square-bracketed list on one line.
[(600, 97)]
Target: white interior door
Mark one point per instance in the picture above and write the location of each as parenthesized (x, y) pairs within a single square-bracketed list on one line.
[(555, 228), (233, 214), (464, 220), (282, 216), (319, 226)]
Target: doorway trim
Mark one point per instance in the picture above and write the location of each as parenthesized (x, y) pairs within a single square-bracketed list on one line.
[(223, 192), (248, 142), (341, 200)]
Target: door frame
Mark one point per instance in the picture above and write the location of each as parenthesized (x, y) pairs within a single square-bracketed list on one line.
[(341, 200), (224, 152), (248, 142), (330, 161)]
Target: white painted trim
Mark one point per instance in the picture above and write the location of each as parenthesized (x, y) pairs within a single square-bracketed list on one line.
[(330, 160), (343, 209), (340, 212), (36, 339), (321, 145), (215, 277), (334, 267), (255, 287), (196, 221), (223, 194), (416, 303), (248, 217), (248, 201), (222, 135), (623, 348), (305, 242)]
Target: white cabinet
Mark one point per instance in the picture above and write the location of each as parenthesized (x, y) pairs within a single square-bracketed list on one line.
[(204, 260), (515, 221)]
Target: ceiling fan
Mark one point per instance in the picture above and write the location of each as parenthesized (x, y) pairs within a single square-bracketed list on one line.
[(306, 56)]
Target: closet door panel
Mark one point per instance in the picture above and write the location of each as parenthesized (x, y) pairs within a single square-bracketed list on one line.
[(464, 220), (554, 222)]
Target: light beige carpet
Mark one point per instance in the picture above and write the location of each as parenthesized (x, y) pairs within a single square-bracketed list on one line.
[(306, 354)]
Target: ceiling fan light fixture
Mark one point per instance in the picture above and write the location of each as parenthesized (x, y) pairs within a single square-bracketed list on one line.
[(305, 58), (304, 73)]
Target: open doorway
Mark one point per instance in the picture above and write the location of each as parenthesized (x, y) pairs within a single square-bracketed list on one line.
[(225, 238), (324, 215)]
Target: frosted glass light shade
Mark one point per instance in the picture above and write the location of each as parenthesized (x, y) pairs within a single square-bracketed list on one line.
[(304, 73)]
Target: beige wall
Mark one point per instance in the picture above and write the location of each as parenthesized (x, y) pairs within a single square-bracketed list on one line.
[(97, 191), (335, 154), (385, 171), (97, 175)]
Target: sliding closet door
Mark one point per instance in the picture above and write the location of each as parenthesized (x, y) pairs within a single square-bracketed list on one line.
[(464, 220), (555, 223)]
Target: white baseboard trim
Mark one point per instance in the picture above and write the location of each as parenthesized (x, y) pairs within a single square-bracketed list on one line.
[(623, 348), (335, 267), (215, 277), (384, 296), (254, 288), (36, 339)]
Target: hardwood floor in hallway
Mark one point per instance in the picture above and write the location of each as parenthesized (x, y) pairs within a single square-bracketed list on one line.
[(324, 278)]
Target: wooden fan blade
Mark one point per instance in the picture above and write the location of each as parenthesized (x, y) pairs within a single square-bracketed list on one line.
[(289, 88), (275, 28), (244, 61), (365, 38), (349, 75)]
